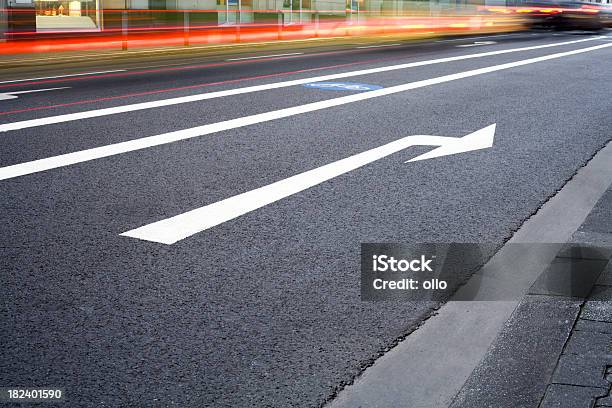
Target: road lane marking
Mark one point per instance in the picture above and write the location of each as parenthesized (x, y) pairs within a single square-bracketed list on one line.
[(184, 225), (342, 86), (477, 38), (62, 76), (477, 44), (11, 95), (256, 88), (181, 88), (154, 69), (67, 159), (265, 56), (379, 46)]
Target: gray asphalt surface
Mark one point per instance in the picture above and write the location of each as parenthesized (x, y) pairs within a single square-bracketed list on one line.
[(264, 310)]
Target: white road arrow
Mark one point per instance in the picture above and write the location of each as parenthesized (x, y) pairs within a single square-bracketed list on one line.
[(481, 139), (11, 95), (184, 225)]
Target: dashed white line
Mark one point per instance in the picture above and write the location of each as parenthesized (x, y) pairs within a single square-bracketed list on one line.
[(266, 56), (62, 76), (11, 95), (379, 46), (477, 38), (63, 160), (477, 44), (256, 88)]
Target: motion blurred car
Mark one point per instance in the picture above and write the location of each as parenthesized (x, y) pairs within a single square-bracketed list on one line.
[(566, 15), (606, 15)]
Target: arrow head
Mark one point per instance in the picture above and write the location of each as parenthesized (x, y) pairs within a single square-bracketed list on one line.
[(481, 139)]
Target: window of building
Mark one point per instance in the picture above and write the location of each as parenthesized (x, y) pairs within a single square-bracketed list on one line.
[(67, 15)]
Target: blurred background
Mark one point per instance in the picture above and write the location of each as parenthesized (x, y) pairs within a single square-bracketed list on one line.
[(34, 26)]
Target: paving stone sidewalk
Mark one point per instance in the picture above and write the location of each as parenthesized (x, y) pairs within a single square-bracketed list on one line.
[(556, 349), (583, 375)]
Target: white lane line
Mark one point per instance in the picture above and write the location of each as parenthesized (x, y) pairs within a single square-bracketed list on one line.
[(174, 229), (379, 46), (62, 76), (11, 95), (265, 56), (256, 88), (477, 44), (63, 160), (477, 38)]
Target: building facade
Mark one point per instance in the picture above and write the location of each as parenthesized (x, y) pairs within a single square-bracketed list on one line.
[(81, 16)]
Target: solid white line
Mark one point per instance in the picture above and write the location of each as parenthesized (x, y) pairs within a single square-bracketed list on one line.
[(62, 76), (174, 229), (379, 46), (256, 88), (63, 160), (265, 56)]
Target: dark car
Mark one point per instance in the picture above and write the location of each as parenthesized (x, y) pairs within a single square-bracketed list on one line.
[(606, 15), (566, 15)]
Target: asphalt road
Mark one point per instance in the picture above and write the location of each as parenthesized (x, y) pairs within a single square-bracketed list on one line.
[(263, 309)]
